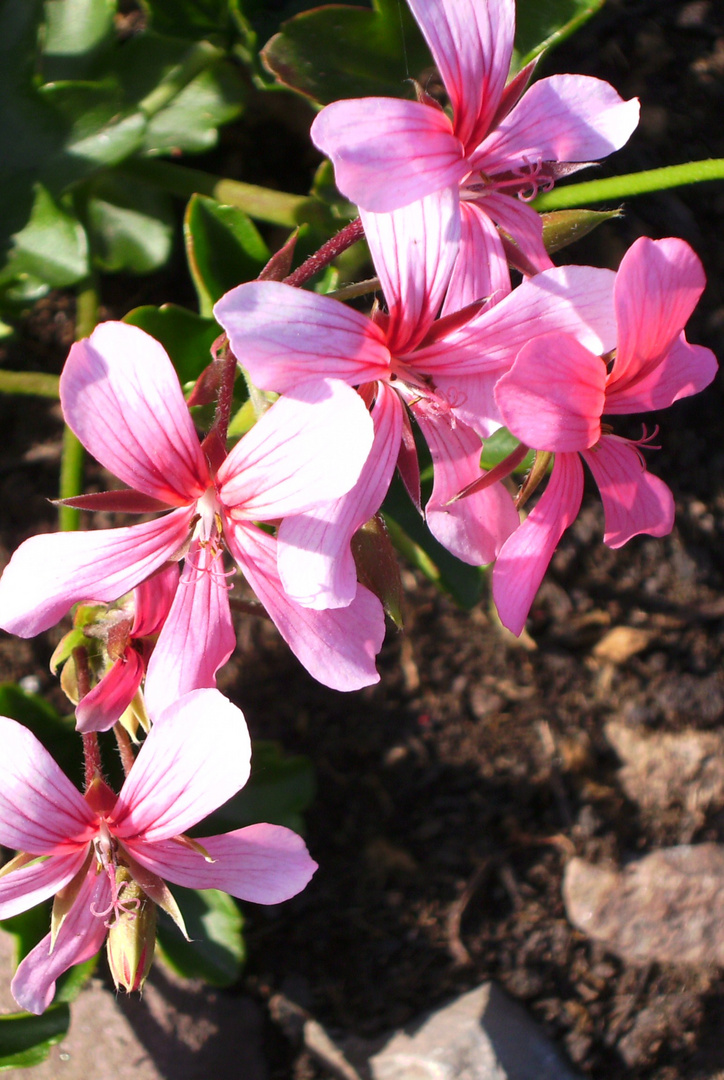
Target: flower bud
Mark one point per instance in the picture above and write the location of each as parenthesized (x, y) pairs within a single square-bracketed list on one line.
[(132, 937)]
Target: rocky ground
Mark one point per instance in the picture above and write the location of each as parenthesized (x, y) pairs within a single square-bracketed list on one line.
[(457, 796)]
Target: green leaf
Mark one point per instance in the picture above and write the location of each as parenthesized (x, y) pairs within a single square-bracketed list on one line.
[(223, 248), (191, 122), (192, 19), (186, 336), (279, 790), (542, 24), (76, 35), (74, 979), (216, 951), (26, 1040), (131, 226), (499, 446), (28, 928), (413, 539), (343, 52), (52, 248)]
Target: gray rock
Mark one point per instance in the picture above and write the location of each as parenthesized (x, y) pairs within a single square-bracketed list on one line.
[(666, 907), (663, 769), (482, 1035)]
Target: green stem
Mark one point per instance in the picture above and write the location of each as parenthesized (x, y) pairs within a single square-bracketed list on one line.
[(620, 187), (199, 57), (276, 207), (73, 456), (35, 383)]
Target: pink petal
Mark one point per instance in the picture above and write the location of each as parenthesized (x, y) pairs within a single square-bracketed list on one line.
[(29, 885), (106, 703), (152, 601), (685, 370), (562, 118), (553, 396), (474, 528), (79, 938), (264, 864), (388, 152), (522, 224), (122, 398), (413, 250), (307, 449), (198, 635), (471, 43), (51, 572), (634, 501), (524, 558), (337, 647), (574, 300), (41, 812), (196, 756), (481, 268), (285, 336), (315, 562), (472, 400), (658, 285)]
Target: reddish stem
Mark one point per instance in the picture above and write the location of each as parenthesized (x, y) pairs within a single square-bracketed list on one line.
[(328, 252), (91, 751), (124, 748), (214, 445)]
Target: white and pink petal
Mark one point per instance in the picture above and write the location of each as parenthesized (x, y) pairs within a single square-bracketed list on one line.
[(634, 500), (285, 336), (196, 756), (51, 572), (122, 398), (263, 864)]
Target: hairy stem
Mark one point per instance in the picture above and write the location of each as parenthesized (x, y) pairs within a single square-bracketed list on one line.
[(620, 187)]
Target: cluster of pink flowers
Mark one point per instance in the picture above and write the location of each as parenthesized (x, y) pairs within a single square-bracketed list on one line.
[(455, 350)]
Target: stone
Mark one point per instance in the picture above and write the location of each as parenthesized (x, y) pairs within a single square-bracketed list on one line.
[(179, 1028), (481, 1035), (667, 907), (663, 769)]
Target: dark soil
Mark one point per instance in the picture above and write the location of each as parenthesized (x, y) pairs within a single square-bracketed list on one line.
[(452, 794)]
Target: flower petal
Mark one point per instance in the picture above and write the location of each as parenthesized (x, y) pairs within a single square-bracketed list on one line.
[(307, 449), (122, 398), (561, 118), (79, 938), (471, 44), (388, 152), (413, 250), (27, 886), (524, 558), (553, 396), (314, 558), (473, 528), (285, 336), (658, 285), (522, 224), (634, 501), (196, 756), (481, 268), (337, 647), (264, 864), (41, 812), (575, 300), (472, 400), (152, 601), (109, 699), (51, 572), (685, 370), (198, 635)]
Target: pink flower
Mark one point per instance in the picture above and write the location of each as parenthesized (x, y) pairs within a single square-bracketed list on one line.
[(442, 370), (498, 144), (118, 640), (556, 392), (195, 758), (121, 396)]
